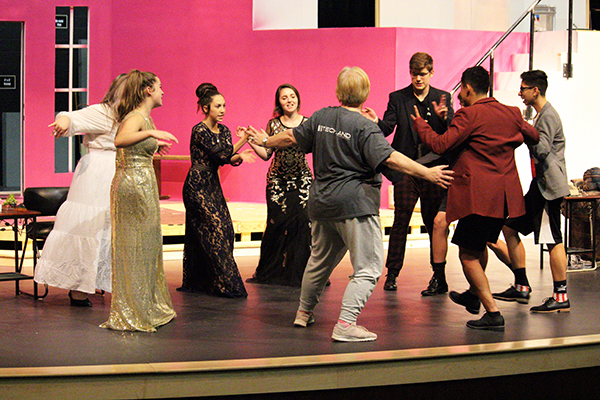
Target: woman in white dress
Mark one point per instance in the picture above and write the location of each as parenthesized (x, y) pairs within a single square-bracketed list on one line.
[(76, 255)]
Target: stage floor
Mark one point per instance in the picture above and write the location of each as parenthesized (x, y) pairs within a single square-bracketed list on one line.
[(37, 336)]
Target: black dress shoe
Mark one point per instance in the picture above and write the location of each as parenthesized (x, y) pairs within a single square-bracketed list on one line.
[(488, 323), (79, 303), (390, 283), (435, 287), (467, 300), (512, 294), (552, 306)]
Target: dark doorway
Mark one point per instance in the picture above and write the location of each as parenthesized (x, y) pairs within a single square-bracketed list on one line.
[(346, 14), (11, 105), (595, 15)]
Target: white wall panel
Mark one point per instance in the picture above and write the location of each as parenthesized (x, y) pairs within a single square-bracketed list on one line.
[(284, 14)]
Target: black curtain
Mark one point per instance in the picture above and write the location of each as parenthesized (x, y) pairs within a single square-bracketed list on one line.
[(346, 14), (595, 15)]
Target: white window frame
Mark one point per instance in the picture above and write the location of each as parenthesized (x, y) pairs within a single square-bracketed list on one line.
[(71, 162)]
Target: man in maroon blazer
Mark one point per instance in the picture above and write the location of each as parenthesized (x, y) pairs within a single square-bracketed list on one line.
[(486, 191)]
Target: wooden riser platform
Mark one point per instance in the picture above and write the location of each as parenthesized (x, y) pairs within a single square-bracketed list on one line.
[(248, 222)]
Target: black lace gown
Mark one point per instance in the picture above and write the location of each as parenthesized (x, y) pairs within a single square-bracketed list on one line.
[(285, 246), (208, 263)]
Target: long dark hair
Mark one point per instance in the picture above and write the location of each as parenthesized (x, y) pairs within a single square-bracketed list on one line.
[(133, 95), (205, 92), (278, 111)]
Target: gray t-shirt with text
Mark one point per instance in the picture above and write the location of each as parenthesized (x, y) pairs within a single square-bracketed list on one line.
[(347, 149)]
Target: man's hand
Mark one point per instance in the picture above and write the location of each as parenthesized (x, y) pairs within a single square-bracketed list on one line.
[(417, 114), (442, 109), (369, 114), (441, 176), (255, 136)]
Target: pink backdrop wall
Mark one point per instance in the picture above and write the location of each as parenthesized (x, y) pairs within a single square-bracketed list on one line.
[(189, 42)]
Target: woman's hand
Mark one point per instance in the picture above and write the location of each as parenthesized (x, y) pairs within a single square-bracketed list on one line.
[(164, 136), (165, 141), (60, 127), (163, 147), (241, 132), (247, 155)]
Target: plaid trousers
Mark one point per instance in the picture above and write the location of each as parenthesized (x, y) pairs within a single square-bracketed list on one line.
[(406, 193)]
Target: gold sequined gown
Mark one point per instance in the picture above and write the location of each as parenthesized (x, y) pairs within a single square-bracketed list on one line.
[(140, 297)]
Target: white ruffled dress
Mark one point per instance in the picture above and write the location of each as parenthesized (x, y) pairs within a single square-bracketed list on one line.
[(77, 253)]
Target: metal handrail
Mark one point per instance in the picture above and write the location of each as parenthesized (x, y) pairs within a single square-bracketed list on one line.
[(490, 52)]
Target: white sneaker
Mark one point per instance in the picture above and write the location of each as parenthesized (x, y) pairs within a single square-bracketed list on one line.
[(303, 319), (352, 333)]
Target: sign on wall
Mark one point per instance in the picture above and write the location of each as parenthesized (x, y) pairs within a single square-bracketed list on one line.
[(8, 82), (61, 21)]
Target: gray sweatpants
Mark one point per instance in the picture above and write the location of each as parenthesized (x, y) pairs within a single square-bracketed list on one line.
[(330, 241)]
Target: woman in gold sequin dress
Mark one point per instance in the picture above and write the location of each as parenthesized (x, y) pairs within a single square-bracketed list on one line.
[(285, 246), (140, 296), (208, 263)]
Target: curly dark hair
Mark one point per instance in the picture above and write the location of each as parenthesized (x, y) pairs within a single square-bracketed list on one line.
[(478, 78), (205, 92)]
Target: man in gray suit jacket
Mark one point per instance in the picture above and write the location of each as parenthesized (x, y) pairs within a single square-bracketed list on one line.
[(543, 200)]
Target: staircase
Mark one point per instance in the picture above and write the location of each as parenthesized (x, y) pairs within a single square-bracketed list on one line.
[(575, 99)]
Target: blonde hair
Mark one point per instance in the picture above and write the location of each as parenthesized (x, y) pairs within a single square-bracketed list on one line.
[(134, 85), (353, 86)]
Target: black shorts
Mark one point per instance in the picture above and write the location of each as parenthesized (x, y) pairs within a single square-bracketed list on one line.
[(443, 203), (473, 232), (542, 217)]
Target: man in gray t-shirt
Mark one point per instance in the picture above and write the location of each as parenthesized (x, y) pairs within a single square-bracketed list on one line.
[(348, 151)]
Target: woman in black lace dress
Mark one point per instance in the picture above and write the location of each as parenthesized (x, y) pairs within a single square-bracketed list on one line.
[(208, 263), (285, 246)]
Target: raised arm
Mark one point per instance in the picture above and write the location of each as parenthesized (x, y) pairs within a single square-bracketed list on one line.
[(390, 117), (95, 119), (60, 126), (282, 139), (458, 132), (243, 139), (131, 131), (438, 174), (262, 152)]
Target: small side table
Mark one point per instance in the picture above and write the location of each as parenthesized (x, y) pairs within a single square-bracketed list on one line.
[(592, 203), (157, 163), (11, 218)]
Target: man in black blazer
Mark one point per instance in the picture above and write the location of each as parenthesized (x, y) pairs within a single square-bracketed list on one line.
[(435, 107)]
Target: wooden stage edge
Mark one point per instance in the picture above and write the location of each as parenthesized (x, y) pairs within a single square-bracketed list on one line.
[(305, 373)]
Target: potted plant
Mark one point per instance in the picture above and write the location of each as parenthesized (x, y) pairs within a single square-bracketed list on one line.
[(9, 203)]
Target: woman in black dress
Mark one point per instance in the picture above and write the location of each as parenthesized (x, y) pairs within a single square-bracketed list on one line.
[(285, 246), (208, 263)]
